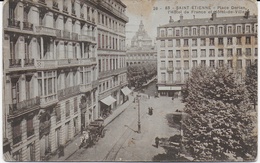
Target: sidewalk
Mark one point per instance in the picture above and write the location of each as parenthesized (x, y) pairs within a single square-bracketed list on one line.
[(73, 146)]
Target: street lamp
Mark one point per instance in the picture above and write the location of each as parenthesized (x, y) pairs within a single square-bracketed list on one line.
[(139, 121)]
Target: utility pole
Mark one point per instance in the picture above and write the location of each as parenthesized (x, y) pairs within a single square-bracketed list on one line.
[(139, 121)]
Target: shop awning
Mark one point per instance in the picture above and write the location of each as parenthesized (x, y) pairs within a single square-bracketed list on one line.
[(169, 88), (126, 91), (108, 100), (8, 157)]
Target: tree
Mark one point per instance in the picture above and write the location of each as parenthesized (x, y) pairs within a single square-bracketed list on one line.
[(251, 83), (220, 122)]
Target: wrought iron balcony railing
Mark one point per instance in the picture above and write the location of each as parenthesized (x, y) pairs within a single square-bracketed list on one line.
[(28, 26), (55, 5), (28, 62), (65, 9), (14, 23), (17, 139), (15, 63), (23, 106), (68, 92)]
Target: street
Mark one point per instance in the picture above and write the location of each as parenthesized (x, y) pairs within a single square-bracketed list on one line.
[(123, 143)]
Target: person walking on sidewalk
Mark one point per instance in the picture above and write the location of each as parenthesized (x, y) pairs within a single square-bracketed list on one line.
[(157, 142)]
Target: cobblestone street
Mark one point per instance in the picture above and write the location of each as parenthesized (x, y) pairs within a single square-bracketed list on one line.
[(123, 143)]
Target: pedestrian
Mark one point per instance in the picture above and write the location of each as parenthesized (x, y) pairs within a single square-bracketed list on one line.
[(157, 142), (172, 98)]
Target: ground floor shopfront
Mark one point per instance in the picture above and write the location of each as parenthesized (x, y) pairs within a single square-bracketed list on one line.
[(171, 91), (109, 103)]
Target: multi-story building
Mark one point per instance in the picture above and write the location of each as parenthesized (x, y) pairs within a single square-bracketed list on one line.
[(212, 42), (111, 21), (142, 49), (50, 74)]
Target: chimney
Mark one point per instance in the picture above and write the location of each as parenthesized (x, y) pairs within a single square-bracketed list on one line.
[(171, 20), (181, 17), (193, 16), (247, 14), (214, 15)]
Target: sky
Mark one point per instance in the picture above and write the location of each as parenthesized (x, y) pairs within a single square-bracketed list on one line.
[(154, 13)]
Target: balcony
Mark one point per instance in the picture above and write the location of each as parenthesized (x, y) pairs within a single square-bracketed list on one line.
[(55, 5), (93, 20), (178, 68), (82, 16), (85, 38), (46, 64), (170, 56), (112, 72), (113, 10), (66, 34), (45, 31), (88, 18), (12, 23), (85, 87), (44, 128), (170, 69), (28, 26), (67, 62), (75, 36), (65, 9), (84, 61), (220, 55), (48, 100), (28, 62), (15, 63), (68, 92), (42, 2), (24, 106)]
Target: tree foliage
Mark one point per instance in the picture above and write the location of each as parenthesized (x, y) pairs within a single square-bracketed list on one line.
[(139, 74), (251, 83), (220, 122)]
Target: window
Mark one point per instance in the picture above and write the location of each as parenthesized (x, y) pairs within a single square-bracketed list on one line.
[(194, 54), (211, 52), (194, 42), (220, 41), (220, 63), (15, 90), (17, 134), (211, 30), (170, 78), (186, 54), (163, 64), (239, 52), (170, 64), (58, 114), (170, 44), (186, 31), (31, 152), (229, 52), (49, 82), (203, 31), (169, 32), (220, 30), (178, 54), (194, 63), (203, 63), (203, 53), (170, 54), (211, 41), (178, 64), (256, 51), (162, 55), (230, 64), (220, 53), (239, 64), (177, 32), (239, 41), (255, 40), (248, 40), (248, 62), (239, 29), (186, 76), (247, 29), (30, 129), (230, 30), (186, 65), (18, 155), (67, 109), (248, 51), (162, 43), (162, 33), (178, 77), (203, 42), (229, 41), (163, 77), (186, 42), (178, 42), (212, 63), (75, 105), (194, 31)]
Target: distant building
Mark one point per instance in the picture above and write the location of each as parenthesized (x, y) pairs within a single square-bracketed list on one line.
[(142, 49), (213, 42)]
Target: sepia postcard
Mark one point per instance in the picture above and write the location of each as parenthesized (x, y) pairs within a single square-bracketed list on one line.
[(129, 80)]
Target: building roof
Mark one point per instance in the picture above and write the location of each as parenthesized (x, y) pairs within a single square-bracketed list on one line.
[(210, 21), (121, 3)]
